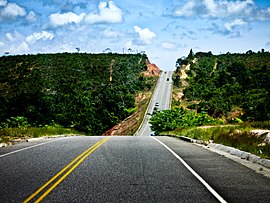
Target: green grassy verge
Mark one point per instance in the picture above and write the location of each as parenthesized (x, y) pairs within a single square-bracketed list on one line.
[(235, 136), (10, 134)]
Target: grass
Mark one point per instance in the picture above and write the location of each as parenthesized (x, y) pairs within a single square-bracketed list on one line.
[(10, 134), (235, 136)]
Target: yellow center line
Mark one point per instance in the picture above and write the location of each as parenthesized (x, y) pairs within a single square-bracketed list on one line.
[(78, 159)]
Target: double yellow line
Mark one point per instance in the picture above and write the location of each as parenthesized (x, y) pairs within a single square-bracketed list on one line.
[(71, 166)]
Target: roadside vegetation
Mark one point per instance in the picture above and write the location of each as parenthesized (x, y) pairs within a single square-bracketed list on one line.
[(131, 124), (237, 136), (229, 92), (167, 120), (18, 128), (88, 93)]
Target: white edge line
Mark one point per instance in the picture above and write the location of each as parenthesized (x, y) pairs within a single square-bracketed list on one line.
[(147, 109), (193, 172), (19, 150)]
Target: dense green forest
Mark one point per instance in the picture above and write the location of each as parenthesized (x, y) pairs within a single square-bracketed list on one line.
[(87, 92), (230, 86)]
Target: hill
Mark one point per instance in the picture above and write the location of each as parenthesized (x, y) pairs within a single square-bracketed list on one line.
[(87, 92), (228, 86)]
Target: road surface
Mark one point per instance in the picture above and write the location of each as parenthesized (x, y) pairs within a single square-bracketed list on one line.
[(125, 169), (161, 100)]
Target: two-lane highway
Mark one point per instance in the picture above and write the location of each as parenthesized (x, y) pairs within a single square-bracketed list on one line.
[(161, 100), (126, 169)]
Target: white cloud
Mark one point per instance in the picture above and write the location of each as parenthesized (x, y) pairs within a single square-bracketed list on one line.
[(264, 14), (238, 7), (10, 37), (18, 48), (22, 48), (57, 19), (109, 33), (211, 6), (129, 44), (146, 35), (3, 2), (217, 8), (186, 10), (31, 16), (11, 11), (231, 25), (108, 13), (39, 36), (2, 44), (168, 45)]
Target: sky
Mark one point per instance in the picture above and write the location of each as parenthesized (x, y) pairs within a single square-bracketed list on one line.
[(164, 29)]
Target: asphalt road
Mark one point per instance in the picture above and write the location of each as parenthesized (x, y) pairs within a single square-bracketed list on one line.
[(161, 100), (125, 169)]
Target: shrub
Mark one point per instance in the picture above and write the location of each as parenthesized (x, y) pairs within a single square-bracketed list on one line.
[(15, 122), (167, 120)]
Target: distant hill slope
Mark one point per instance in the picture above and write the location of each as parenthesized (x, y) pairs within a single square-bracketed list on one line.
[(89, 92), (229, 85)]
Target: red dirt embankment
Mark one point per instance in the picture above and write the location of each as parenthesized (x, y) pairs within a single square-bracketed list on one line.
[(126, 126), (152, 69)]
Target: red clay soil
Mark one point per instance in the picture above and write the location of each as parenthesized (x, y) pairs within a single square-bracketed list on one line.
[(152, 69), (123, 127)]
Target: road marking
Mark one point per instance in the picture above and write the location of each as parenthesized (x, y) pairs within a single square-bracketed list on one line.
[(19, 150), (209, 188), (73, 164)]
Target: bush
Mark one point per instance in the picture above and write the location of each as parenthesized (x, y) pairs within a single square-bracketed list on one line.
[(15, 122), (167, 120)]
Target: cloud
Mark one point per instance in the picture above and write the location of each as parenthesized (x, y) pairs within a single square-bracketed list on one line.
[(186, 10), (236, 23), (10, 11), (12, 37), (146, 35), (39, 36), (110, 33), (221, 9), (3, 2), (31, 16), (58, 19), (17, 48), (21, 48), (168, 45), (108, 13), (264, 14), (267, 44)]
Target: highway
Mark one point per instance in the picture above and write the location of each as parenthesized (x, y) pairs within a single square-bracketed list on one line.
[(161, 100), (139, 168)]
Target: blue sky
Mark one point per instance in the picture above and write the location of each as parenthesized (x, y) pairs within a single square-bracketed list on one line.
[(164, 29)]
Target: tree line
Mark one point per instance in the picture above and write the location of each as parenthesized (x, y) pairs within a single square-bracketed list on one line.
[(229, 85), (87, 92)]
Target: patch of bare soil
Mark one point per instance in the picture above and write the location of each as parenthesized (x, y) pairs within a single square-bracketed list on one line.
[(130, 125)]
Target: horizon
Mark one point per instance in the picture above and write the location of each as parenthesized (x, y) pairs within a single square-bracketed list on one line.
[(165, 31)]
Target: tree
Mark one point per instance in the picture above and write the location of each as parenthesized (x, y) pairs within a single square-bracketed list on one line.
[(190, 55)]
